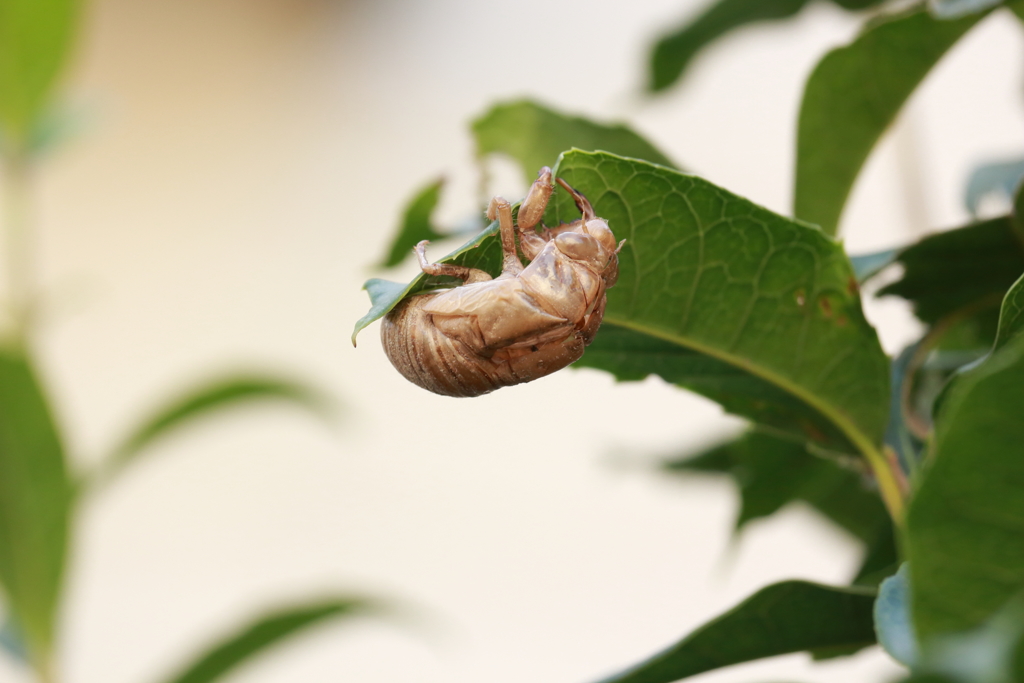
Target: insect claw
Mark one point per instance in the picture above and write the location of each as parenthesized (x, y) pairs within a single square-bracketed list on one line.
[(581, 202), (621, 244)]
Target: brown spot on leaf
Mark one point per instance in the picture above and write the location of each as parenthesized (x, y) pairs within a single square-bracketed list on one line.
[(851, 285)]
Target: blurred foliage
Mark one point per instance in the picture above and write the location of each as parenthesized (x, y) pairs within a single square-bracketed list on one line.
[(673, 53), (39, 494)]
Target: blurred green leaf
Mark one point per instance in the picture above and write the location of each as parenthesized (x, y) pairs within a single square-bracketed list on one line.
[(673, 53), (35, 505), (772, 472), (893, 621), (791, 616), (263, 633), (965, 524), (994, 178), (968, 269), (201, 402), (35, 41), (851, 98), (416, 224), (534, 135), (711, 283)]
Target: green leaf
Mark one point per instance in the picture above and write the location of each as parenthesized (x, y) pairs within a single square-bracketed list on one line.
[(851, 98), (35, 505), (772, 472), (707, 271), (893, 622), (791, 616), (416, 224), (964, 270), (632, 356), (201, 402), (765, 307), (534, 135), (965, 525), (674, 52), (261, 634), (1011, 315), (35, 40), (483, 251)]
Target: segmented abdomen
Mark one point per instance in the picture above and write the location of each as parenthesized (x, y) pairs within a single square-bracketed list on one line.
[(430, 359)]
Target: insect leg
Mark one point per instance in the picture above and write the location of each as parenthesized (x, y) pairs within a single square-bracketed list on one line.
[(532, 208), (468, 275), (581, 202), (502, 210)]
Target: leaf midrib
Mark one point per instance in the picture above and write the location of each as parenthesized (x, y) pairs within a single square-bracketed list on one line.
[(857, 437)]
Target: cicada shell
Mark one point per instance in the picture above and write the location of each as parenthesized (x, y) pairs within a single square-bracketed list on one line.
[(524, 324)]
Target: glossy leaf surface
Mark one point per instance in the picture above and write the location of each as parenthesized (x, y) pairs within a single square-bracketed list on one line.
[(791, 616), (853, 96)]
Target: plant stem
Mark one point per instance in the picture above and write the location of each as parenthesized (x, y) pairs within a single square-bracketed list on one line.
[(888, 483), (15, 180)]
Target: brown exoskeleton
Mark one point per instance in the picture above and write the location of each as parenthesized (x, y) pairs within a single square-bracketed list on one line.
[(524, 324)]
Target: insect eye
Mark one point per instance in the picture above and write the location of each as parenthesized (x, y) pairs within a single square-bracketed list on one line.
[(577, 246)]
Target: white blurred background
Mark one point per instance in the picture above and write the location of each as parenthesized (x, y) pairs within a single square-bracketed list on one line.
[(243, 163)]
